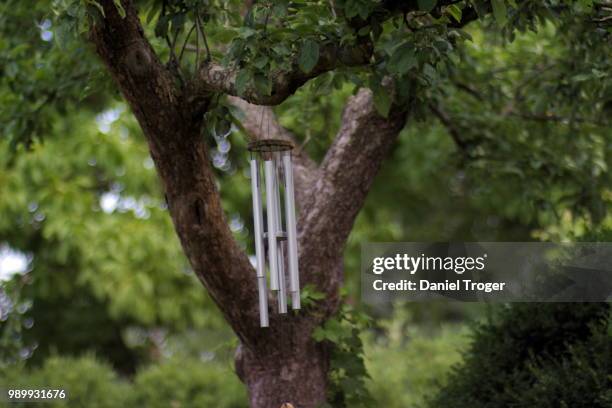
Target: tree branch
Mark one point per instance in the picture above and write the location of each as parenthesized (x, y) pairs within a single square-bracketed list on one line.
[(347, 173), (213, 77), (454, 132), (172, 129)]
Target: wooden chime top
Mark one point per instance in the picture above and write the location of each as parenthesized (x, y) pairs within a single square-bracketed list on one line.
[(269, 145)]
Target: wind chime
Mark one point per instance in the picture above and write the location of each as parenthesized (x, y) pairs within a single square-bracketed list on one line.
[(280, 235)]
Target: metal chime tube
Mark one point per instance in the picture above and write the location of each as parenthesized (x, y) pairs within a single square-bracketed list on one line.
[(259, 247), (294, 275), (281, 225), (282, 294), (269, 171)]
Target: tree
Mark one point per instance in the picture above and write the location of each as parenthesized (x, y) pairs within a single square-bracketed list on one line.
[(282, 363), (398, 49)]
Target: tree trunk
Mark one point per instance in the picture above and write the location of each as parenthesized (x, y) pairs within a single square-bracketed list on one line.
[(285, 373)]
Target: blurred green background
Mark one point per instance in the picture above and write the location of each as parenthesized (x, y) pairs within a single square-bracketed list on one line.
[(96, 296)]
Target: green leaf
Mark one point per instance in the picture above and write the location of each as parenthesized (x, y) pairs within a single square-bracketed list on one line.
[(237, 113), (161, 28), (463, 34), (280, 9), (319, 334), (96, 5), (178, 21), (242, 81), (481, 7), (261, 62), (309, 291), (309, 56), (354, 8), (500, 12), (455, 11), (427, 5), (263, 84), (364, 31), (281, 50), (382, 100), (247, 32), (430, 73), (153, 11), (223, 34), (403, 59), (364, 10), (120, 8)]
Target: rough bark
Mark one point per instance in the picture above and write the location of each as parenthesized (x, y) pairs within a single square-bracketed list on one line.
[(172, 129), (289, 367), (346, 175), (281, 363), (214, 77)]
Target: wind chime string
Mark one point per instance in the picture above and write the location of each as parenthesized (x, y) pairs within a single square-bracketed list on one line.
[(261, 121)]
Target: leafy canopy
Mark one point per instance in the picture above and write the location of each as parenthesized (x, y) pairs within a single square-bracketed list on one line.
[(413, 42)]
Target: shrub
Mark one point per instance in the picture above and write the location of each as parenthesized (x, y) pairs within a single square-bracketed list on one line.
[(582, 379), (188, 383), (92, 384), (535, 355), (88, 382)]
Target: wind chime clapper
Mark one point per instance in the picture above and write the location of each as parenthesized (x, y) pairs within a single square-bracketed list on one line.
[(274, 156)]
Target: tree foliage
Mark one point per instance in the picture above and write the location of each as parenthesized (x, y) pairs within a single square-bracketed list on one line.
[(89, 211), (91, 383), (547, 355)]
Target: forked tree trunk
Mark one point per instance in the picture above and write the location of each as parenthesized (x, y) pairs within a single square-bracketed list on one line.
[(282, 363)]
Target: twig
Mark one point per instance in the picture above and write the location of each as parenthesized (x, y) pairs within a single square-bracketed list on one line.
[(201, 30), (450, 126), (185, 43), (468, 89), (190, 48), (554, 118), (333, 8), (269, 11), (602, 19), (168, 42), (197, 46), (173, 46)]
